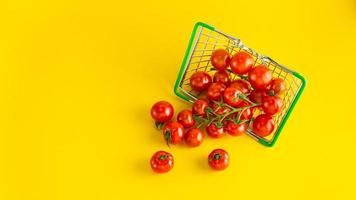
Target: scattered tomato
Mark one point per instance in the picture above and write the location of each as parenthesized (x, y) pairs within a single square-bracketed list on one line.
[(194, 137), (218, 159), (215, 130), (200, 81), (173, 132), (220, 59), (263, 125), (215, 91), (162, 111), (231, 96), (271, 104), (185, 117), (162, 162), (199, 107), (241, 63), (260, 77)]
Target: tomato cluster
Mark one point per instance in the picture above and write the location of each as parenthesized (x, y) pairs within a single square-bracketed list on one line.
[(224, 105)]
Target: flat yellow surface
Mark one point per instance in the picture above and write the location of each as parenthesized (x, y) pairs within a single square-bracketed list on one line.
[(78, 78)]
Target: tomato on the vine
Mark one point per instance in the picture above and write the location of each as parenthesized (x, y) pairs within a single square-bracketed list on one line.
[(260, 77), (241, 63), (222, 77), (194, 137), (278, 86), (271, 104), (162, 162), (200, 81), (220, 108), (218, 159), (185, 117), (263, 125), (162, 111), (199, 107), (173, 132), (242, 85), (247, 113), (215, 130), (215, 91), (235, 129), (220, 59), (232, 96)]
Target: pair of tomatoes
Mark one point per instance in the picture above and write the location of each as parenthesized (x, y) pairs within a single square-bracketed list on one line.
[(162, 161)]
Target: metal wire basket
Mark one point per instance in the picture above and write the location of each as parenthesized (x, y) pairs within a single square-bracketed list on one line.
[(204, 40)]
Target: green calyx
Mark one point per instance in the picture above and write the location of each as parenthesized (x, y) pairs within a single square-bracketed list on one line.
[(217, 156)]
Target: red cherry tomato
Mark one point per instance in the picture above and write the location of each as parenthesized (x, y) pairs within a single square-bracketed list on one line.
[(241, 63), (271, 104), (242, 85), (231, 96), (214, 130), (260, 77), (162, 162), (200, 81), (173, 132), (263, 125), (235, 129), (220, 59), (220, 108), (218, 159), (162, 111), (185, 117), (215, 91), (278, 86), (222, 77), (257, 95), (193, 137), (199, 107), (248, 112)]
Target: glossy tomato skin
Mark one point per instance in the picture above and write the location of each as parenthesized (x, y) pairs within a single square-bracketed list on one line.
[(271, 104), (220, 59), (242, 85), (278, 86), (194, 137), (199, 107), (162, 111), (257, 95), (185, 117), (173, 132), (215, 131), (260, 77), (248, 112), (235, 129), (215, 91), (200, 81), (162, 162), (218, 159), (231, 96), (263, 125), (222, 77), (241, 63)]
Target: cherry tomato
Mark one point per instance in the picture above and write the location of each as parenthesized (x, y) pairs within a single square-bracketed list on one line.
[(162, 162), (248, 112), (235, 129), (218, 159), (162, 111), (200, 81), (222, 77), (271, 104), (215, 130), (220, 59), (231, 96), (260, 77), (257, 95), (215, 91), (193, 137), (241, 63), (263, 125), (278, 86), (242, 85), (185, 117), (220, 108), (199, 107), (173, 132)]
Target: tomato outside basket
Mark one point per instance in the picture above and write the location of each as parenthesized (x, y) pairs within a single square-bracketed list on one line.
[(204, 40)]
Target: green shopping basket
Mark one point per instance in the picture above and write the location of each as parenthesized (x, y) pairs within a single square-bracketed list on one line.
[(204, 40)]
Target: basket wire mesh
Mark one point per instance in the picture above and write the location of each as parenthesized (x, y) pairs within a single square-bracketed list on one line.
[(204, 40)]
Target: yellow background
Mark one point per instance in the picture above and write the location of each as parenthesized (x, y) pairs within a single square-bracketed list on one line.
[(78, 78)]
